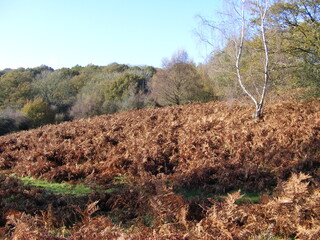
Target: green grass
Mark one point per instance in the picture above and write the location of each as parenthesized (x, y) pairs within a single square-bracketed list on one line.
[(111, 190), (249, 197), (70, 189), (82, 190), (121, 179), (57, 188), (192, 193)]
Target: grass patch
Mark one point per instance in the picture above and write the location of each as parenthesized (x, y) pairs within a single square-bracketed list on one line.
[(249, 197), (193, 193), (69, 189), (111, 190), (58, 188), (8, 199), (121, 179)]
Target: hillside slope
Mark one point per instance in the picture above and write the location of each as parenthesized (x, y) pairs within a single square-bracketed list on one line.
[(200, 143), (156, 154)]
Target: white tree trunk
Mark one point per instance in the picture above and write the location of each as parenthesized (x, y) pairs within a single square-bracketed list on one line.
[(258, 103)]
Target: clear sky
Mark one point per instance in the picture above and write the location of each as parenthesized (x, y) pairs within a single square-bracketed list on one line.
[(64, 33)]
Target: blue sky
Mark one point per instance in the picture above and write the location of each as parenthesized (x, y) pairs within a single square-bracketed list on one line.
[(64, 33)]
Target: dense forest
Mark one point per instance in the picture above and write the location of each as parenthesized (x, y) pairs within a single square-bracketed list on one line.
[(36, 96)]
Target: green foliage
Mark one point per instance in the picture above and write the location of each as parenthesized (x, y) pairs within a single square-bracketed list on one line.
[(309, 78), (37, 70), (79, 81), (68, 72), (115, 68), (109, 107), (55, 87), (298, 24), (91, 97), (15, 88), (300, 20), (79, 91), (39, 112), (149, 69), (292, 30), (221, 72), (4, 71), (121, 85), (133, 101)]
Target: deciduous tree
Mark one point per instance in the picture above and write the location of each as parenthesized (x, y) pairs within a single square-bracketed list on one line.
[(39, 112), (178, 82), (298, 22), (237, 32), (15, 88)]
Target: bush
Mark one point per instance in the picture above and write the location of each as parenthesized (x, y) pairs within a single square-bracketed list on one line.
[(39, 112), (111, 106), (6, 125), (22, 122), (86, 106), (133, 101), (11, 121), (122, 85)]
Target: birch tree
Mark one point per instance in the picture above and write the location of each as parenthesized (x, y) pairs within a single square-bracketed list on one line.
[(247, 21), (258, 101)]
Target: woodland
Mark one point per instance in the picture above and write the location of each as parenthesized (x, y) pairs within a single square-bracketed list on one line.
[(36, 96), (177, 152)]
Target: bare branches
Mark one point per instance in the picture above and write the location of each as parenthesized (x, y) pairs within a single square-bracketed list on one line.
[(237, 32), (239, 50), (201, 35), (266, 50)]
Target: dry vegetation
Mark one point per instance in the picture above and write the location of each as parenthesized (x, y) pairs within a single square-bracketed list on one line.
[(141, 164)]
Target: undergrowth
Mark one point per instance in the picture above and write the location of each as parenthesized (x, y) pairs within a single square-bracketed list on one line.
[(170, 173)]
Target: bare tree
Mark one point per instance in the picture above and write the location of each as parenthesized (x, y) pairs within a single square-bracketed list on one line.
[(178, 82), (238, 40), (258, 102)]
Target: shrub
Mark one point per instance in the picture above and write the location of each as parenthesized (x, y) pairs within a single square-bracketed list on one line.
[(86, 106), (11, 120), (6, 125), (122, 85), (39, 112), (111, 106)]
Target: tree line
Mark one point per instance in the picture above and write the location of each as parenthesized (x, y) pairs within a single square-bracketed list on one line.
[(33, 97)]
